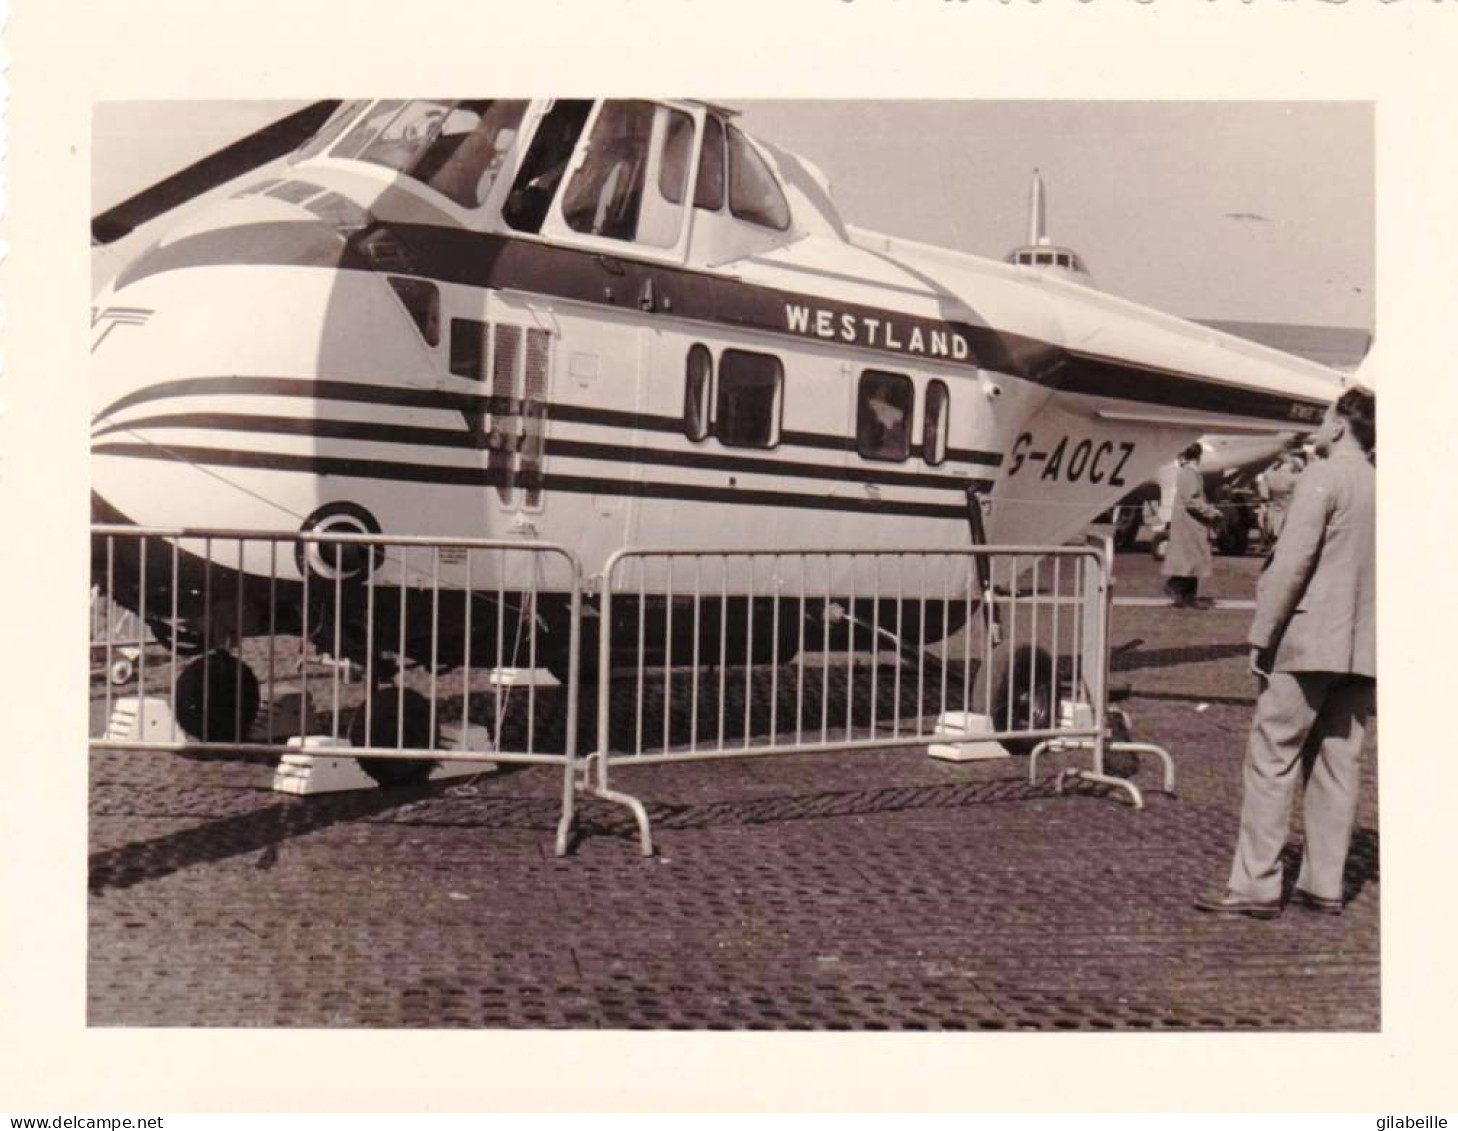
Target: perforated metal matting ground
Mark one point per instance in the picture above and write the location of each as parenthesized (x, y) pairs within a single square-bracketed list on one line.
[(870, 891)]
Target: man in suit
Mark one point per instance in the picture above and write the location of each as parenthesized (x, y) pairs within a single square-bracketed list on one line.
[(1313, 647)]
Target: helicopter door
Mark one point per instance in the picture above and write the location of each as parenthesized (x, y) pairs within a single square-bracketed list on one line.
[(626, 195), (628, 187)]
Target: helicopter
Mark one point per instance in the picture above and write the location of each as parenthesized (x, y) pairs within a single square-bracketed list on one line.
[(606, 323)]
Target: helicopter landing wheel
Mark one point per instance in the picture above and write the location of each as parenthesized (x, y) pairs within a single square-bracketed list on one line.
[(394, 719), (1024, 695), (217, 698)]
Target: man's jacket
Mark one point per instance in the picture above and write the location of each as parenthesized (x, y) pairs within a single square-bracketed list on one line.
[(1317, 599)]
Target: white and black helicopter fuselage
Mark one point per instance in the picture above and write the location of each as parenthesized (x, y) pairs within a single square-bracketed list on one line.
[(621, 323)]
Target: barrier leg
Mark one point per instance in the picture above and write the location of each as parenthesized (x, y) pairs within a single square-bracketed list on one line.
[(600, 790), (1059, 745), (568, 821), (1150, 748), (1047, 744), (1103, 779), (645, 837)]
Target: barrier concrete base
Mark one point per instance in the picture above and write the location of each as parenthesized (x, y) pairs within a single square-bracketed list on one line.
[(305, 774), (522, 677), (1075, 715), (143, 719), (965, 722)]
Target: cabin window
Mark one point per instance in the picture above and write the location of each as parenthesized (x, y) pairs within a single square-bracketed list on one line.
[(698, 380), (468, 348), (754, 195), (545, 162), (747, 410), (618, 193), (709, 193), (936, 423), (883, 415)]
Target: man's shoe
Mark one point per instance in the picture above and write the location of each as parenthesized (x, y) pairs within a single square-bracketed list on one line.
[(1317, 903), (1229, 905)]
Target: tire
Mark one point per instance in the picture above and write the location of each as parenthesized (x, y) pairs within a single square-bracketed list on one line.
[(385, 729), (1024, 695), (555, 657), (217, 698)]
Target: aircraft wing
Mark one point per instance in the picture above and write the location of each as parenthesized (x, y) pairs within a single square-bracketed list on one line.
[(1338, 347), (1177, 419)]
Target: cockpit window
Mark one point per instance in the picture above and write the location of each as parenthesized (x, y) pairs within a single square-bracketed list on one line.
[(619, 191), (545, 162), (369, 129), (678, 149), (710, 190), (457, 148), (754, 194), (343, 114)]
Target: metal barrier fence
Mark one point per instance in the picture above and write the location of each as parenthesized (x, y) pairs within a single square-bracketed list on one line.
[(715, 654), (403, 653)]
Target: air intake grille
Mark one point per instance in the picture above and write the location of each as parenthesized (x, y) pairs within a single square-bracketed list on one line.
[(534, 415), (505, 378)]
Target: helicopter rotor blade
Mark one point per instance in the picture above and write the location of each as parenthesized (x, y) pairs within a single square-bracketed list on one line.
[(258, 148)]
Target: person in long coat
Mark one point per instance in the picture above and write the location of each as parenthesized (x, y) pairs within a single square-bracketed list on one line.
[(1313, 646), (1187, 558)]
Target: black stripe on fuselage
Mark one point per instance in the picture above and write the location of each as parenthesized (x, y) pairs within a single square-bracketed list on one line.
[(394, 471), (370, 432), (498, 262), (465, 403)]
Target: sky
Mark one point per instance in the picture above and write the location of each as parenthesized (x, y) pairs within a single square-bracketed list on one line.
[(1161, 199), (1242, 211)]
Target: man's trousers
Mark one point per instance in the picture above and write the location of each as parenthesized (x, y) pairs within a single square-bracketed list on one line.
[(1312, 722)]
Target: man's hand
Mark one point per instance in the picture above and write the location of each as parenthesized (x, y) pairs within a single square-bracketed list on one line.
[(1260, 663)]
